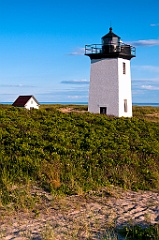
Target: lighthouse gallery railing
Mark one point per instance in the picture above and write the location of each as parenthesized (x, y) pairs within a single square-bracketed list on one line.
[(109, 48)]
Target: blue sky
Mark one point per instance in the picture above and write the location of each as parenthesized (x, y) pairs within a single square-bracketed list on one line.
[(42, 46)]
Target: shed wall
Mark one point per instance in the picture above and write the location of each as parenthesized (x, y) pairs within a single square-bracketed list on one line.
[(31, 104)]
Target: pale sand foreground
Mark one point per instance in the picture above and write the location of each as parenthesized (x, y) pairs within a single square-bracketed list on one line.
[(81, 217)]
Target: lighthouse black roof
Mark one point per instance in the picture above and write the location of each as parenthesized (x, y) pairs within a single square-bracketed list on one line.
[(111, 47), (110, 34)]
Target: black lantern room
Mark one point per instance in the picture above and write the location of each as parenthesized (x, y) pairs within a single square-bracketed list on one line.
[(111, 47)]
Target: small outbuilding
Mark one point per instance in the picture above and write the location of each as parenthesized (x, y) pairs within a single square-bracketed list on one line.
[(28, 102)]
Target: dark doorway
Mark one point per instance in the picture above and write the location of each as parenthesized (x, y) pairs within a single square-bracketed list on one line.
[(103, 110)]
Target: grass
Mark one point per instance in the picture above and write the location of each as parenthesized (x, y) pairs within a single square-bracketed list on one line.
[(141, 233), (47, 233), (64, 150), (75, 152)]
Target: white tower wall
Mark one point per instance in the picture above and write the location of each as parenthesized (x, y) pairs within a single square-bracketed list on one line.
[(124, 88), (110, 87)]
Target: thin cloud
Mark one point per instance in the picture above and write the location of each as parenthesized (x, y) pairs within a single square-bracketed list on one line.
[(8, 94), (138, 92), (149, 68), (154, 24), (82, 81), (145, 84), (145, 43), (77, 52), (16, 85), (134, 80), (65, 92), (64, 95), (78, 97), (149, 87)]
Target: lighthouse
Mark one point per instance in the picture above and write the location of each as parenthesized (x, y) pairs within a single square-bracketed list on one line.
[(110, 76)]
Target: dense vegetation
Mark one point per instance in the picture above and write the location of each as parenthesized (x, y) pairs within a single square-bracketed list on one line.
[(69, 153), (139, 233)]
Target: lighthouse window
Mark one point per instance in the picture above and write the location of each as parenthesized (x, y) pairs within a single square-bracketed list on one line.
[(124, 68), (125, 105)]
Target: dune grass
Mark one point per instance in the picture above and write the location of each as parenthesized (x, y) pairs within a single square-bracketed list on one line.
[(65, 150)]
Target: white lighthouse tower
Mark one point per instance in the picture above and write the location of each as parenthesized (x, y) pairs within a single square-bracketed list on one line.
[(110, 78)]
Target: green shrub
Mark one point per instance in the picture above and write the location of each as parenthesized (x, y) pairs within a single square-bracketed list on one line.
[(137, 232), (75, 152)]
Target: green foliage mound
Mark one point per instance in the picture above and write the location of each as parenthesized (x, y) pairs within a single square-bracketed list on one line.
[(70, 153), (141, 233)]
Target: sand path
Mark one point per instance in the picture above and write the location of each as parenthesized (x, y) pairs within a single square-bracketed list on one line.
[(81, 217)]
